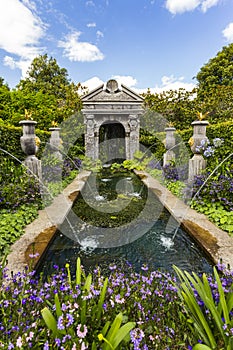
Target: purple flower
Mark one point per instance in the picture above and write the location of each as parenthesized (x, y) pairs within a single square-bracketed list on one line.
[(46, 345), (81, 331), (136, 336)]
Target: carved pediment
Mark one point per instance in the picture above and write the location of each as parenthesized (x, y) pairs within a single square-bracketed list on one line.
[(112, 92)]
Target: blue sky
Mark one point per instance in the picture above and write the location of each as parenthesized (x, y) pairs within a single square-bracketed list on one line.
[(156, 44)]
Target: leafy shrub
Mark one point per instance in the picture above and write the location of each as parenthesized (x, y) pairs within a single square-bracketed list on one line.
[(13, 224), (18, 187), (213, 189), (177, 188), (209, 303), (10, 142), (65, 312)]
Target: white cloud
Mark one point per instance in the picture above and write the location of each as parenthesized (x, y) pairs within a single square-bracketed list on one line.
[(169, 83), (90, 3), (228, 32), (173, 83), (10, 62), (206, 4), (126, 80), (92, 83), (20, 32), (80, 51), (22, 64), (181, 6), (91, 25), (99, 34)]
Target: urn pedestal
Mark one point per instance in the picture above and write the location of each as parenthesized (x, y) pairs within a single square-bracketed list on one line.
[(55, 142), (197, 144), (30, 144), (170, 142)]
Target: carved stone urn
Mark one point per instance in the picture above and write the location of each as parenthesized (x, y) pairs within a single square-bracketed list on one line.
[(55, 142), (198, 143), (199, 138), (170, 142), (28, 140), (30, 145)]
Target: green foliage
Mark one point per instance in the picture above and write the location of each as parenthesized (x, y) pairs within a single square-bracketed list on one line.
[(17, 186), (5, 100), (217, 214), (10, 142), (46, 93), (153, 143), (225, 131), (110, 332), (176, 187), (46, 76), (210, 321), (218, 71), (173, 106), (217, 101), (90, 164), (12, 225)]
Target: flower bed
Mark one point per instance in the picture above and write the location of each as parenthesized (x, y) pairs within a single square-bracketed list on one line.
[(128, 309)]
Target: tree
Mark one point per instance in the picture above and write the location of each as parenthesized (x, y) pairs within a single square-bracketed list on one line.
[(46, 93), (218, 71), (5, 100), (46, 76), (176, 107)]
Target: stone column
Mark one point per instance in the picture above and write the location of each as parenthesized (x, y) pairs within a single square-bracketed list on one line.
[(134, 135), (90, 141), (55, 142), (96, 143), (199, 139), (30, 145), (170, 142), (127, 144)]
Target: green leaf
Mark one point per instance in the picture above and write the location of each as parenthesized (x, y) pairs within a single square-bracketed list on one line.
[(50, 320), (222, 298), (78, 272), (58, 306), (115, 326), (201, 347), (122, 333), (101, 299)]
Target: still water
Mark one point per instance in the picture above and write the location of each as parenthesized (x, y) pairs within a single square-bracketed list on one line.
[(117, 220)]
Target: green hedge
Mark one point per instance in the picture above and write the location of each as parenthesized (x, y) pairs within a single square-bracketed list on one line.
[(10, 141), (221, 130)]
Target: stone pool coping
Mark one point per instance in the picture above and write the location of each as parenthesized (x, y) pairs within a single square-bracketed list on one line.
[(40, 232), (216, 243)]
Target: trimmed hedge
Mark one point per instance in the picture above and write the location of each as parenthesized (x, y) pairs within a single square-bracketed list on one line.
[(221, 130), (10, 141)]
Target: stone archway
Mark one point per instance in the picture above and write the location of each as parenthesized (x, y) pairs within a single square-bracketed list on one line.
[(112, 146), (112, 104)]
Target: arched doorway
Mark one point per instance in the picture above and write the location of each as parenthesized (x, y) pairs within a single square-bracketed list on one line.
[(116, 110), (112, 142)]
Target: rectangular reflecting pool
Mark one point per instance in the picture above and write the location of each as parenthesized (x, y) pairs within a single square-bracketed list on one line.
[(117, 220)]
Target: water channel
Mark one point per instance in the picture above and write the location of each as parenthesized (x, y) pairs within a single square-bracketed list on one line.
[(117, 220)]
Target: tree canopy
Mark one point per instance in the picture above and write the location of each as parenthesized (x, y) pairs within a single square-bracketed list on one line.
[(218, 70), (46, 76), (46, 93)]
